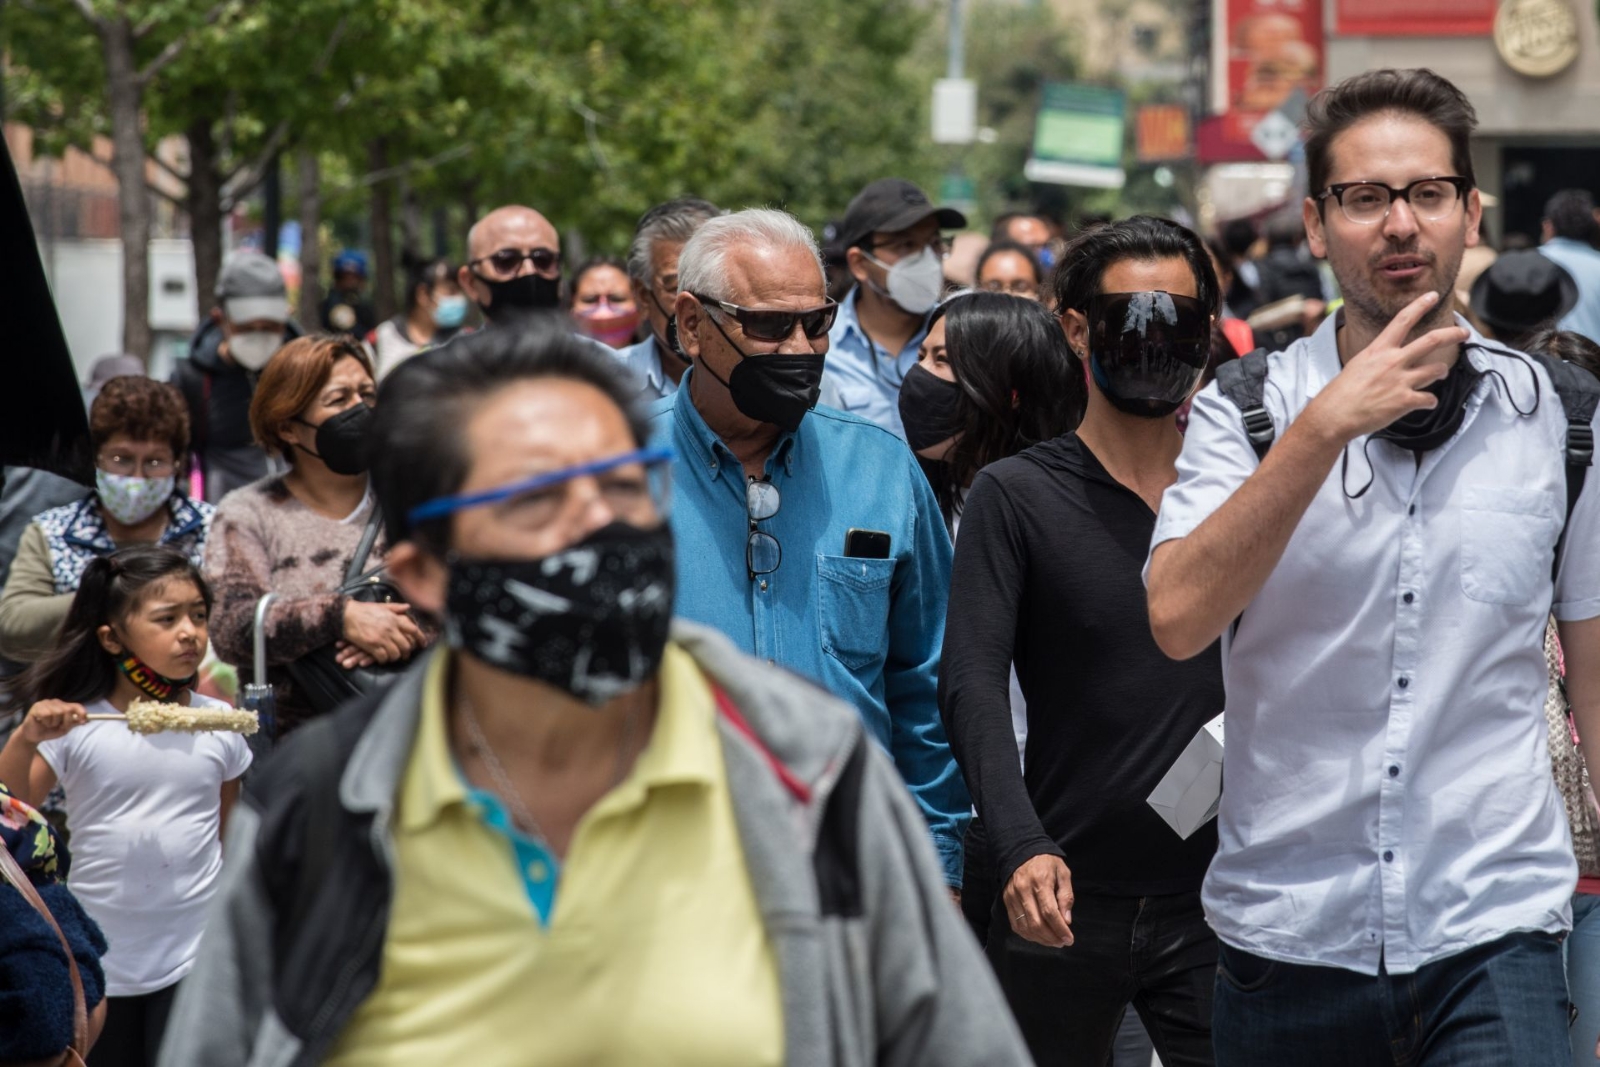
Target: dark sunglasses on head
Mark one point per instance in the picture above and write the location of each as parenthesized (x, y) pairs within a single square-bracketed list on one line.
[(769, 324), (509, 260)]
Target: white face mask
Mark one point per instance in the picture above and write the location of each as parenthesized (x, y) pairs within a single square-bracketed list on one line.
[(130, 499), (915, 281), (252, 350)]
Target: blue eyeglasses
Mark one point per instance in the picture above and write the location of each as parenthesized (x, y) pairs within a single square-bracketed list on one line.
[(439, 507)]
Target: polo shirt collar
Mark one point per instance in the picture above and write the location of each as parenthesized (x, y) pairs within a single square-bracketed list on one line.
[(683, 748)]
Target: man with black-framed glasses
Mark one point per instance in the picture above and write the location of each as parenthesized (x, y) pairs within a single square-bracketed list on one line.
[(513, 263), (895, 250), (1379, 522), (807, 535)]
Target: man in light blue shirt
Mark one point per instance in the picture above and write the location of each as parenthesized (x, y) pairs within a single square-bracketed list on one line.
[(1570, 232), (653, 270), (895, 250), (810, 537)]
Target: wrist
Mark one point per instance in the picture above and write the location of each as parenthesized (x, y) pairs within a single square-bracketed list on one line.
[(1320, 429)]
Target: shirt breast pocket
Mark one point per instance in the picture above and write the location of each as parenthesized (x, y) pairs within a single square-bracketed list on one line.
[(1508, 539), (853, 608)]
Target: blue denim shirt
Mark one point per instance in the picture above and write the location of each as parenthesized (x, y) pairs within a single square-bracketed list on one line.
[(644, 361), (868, 630), (866, 376), (1583, 263)]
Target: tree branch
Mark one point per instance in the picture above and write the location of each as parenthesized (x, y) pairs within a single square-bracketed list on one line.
[(175, 201), (242, 180), (172, 171), (372, 178), (86, 9), (176, 46)]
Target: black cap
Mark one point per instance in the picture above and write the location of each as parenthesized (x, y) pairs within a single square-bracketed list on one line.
[(890, 205), (1522, 291)]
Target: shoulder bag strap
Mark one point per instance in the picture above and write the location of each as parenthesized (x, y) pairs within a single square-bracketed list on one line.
[(369, 537), (11, 872)]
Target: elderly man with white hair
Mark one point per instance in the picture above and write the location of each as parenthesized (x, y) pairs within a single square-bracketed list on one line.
[(808, 536)]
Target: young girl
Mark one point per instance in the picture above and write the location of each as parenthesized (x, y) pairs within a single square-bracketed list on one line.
[(147, 811)]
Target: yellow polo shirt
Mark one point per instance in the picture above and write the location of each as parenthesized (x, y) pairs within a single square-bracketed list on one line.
[(654, 951)]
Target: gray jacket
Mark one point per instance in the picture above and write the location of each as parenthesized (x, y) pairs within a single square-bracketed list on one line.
[(875, 963)]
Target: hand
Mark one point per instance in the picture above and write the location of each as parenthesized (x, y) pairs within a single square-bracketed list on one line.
[(955, 895), (50, 719), (1387, 379), (350, 657), (1038, 901), (384, 632)]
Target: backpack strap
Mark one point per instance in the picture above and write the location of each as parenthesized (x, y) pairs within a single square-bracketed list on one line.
[(1580, 396), (1244, 382)]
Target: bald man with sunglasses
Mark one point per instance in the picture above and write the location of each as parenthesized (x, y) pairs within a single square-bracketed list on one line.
[(808, 536)]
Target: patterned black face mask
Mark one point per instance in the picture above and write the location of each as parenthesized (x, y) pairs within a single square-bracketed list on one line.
[(591, 619)]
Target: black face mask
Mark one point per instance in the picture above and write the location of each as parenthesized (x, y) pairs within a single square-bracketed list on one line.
[(929, 408), (520, 295), (772, 387), (1147, 351), (590, 620), (342, 440), (1423, 431), (671, 342)]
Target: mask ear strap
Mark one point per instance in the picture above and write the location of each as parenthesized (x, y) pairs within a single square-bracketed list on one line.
[(1505, 385), (1344, 470)]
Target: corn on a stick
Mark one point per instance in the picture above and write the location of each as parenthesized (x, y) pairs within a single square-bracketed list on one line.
[(154, 717)]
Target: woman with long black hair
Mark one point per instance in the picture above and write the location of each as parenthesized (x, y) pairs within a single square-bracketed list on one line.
[(994, 376)]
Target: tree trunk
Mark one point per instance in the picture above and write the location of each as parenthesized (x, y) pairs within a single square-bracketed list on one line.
[(309, 182), (383, 295), (205, 210), (133, 200)]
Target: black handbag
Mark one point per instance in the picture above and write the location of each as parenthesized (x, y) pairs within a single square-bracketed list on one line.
[(319, 681)]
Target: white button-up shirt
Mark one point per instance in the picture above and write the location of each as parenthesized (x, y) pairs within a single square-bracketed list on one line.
[(1388, 793)]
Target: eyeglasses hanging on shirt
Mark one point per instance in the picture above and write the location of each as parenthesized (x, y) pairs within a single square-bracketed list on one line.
[(762, 552)]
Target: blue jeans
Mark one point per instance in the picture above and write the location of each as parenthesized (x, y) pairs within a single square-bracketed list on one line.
[(1583, 977), (1497, 1005)]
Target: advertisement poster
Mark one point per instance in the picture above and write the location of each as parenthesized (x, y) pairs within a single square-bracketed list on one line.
[(1162, 133), (1416, 18), (1274, 49)]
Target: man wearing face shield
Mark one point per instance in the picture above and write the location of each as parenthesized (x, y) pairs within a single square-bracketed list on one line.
[(600, 839), (895, 250), (250, 322), (1100, 910), (808, 536)]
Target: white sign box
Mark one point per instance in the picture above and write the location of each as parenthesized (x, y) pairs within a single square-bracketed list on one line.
[(1188, 796)]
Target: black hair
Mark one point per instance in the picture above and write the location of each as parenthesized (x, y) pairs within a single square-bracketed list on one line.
[(592, 263), (1564, 345), (1285, 231), (1238, 235), (79, 669), (424, 274), (1418, 92), (1000, 229), (1570, 214), (997, 248), (1142, 237), (418, 433), (1020, 384)]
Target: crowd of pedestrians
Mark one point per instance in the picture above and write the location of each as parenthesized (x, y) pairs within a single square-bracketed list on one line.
[(745, 651)]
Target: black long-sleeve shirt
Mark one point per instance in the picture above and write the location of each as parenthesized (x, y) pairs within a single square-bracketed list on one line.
[(1047, 575)]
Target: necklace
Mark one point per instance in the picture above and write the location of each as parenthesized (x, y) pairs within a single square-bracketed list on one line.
[(502, 781)]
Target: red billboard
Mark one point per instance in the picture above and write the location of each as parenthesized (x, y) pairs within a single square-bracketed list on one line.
[(1273, 49), (1416, 18)]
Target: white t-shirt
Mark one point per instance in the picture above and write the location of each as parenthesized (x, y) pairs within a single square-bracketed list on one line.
[(145, 810)]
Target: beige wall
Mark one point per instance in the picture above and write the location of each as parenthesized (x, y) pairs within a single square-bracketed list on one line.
[(1508, 104)]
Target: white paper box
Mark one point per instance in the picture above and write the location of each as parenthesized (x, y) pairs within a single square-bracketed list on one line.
[(1189, 793)]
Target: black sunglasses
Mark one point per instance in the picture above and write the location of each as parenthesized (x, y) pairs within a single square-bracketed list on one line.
[(768, 324), (509, 260)]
